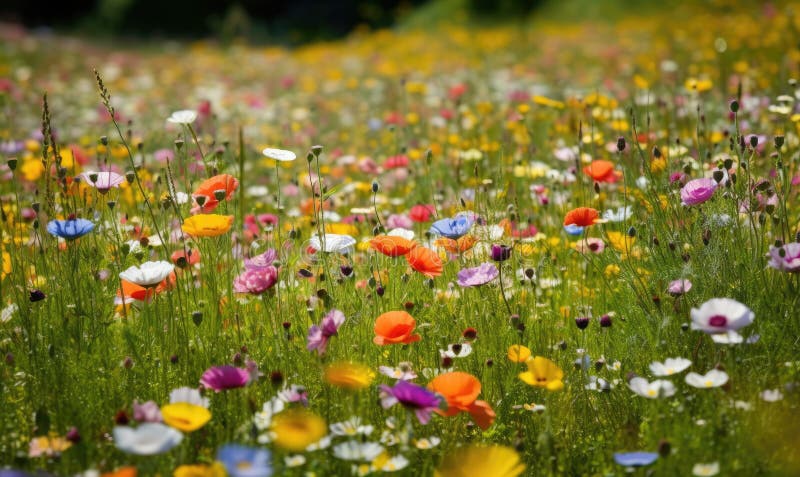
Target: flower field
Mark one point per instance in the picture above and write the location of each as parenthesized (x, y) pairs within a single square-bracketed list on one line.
[(553, 248)]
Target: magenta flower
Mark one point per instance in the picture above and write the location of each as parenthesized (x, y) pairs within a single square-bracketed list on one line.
[(411, 396), (219, 378), (261, 262), (480, 275), (697, 191), (103, 181), (786, 258), (679, 287), (318, 336), (256, 281)]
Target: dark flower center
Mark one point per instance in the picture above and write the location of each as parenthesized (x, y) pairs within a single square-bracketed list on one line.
[(718, 320)]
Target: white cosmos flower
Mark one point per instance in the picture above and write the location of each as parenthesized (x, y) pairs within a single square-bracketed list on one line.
[(355, 450), (712, 379), (147, 439), (706, 470), (719, 315), (334, 243), (656, 389), (189, 396), (669, 367), (279, 154), (184, 116), (148, 274)]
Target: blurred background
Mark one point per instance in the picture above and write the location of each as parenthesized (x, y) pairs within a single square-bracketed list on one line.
[(297, 21)]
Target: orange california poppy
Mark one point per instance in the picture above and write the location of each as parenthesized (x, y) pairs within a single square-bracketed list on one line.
[(391, 246), (462, 244), (425, 261), (461, 391), (601, 171), (208, 188), (582, 216), (395, 327)]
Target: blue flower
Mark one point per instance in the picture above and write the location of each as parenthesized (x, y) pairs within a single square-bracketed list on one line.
[(453, 228), (635, 459), (70, 229), (242, 461), (573, 229)]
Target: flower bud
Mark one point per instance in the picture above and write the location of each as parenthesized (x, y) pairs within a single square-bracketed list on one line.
[(734, 106), (12, 163), (582, 322), (620, 144)]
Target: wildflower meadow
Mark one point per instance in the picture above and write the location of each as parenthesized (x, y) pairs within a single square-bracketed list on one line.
[(552, 247)]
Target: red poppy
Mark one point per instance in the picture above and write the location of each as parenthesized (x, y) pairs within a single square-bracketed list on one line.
[(208, 188), (425, 261), (421, 213), (601, 171), (582, 216), (395, 327), (461, 391), (391, 246)]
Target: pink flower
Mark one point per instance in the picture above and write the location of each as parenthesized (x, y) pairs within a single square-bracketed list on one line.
[(396, 221), (103, 181), (146, 412), (219, 378), (318, 336), (256, 281), (679, 287), (786, 258), (480, 275), (698, 191), (591, 244), (262, 261)]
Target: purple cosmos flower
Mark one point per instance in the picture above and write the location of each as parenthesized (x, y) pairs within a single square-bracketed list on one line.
[(480, 275), (679, 287), (635, 459), (318, 335), (224, 377), (786, 258), (146, 412), (103, 181), (698, 191), (411, 396), (261, 262), (256, 281)]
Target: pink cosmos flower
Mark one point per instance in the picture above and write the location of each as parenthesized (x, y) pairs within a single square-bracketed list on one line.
[(256, 281), (698, 191), (786, 258), (219, 378), (103, 181), (318, 336), (146, 412), (679, 287), (720, 315)]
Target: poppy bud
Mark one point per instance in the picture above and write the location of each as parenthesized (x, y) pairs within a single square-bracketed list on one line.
[(104, 140), (35, 207), (380, 290), (173, 359), (73, 435), (753, 141), (582, 322), (605, 321), (12, 163), (632, 231), (9, 358), (130, 176), (734, 106), (656, 152), (127, 363), (664, 448), (620, 144), (276, 377), (778, 142), (36, 295), (375, 187), (197, 317), (316, 150)]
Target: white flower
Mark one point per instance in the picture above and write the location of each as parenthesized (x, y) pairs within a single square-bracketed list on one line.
[(396, 463), (426, 443), (263, 419), (401, 232), (8, 312), (618, 215), (323, 443), (669, 367), (355, 450), (771, 395), (334, 243), (295, 460), (706, 470), (279, 154), (719, 315), (350, 427), (464, 349), (189, 396), (403, 371), (148, 274), (148, 439), (656, 389), (598, 384), (185, 116), (712, 379)]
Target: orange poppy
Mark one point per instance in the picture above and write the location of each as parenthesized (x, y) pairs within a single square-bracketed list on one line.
[(601, 171), (137, 292), (462, 244), (188, 257), (395, 327), (425, 261), (123, 472), (582, 216), (461, 391), (208, 188), (391, 246)]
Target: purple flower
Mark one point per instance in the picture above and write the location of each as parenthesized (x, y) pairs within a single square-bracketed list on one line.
[(480, 275), (698, 191), (679, 287), (146, 412), (500, 253), (256, 281), (411, 396), (786, 258), (635, 459), (224, 377), (318, 336), (261, 262)]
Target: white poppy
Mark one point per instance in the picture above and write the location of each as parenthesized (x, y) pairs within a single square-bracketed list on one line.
[(334, 243), (147, 439), (185, 116), (458, 350), (669, 367), (706, 470), (401, 232), (355, 450), (148, 274), (712, 379), (188, 395), (719, 315), (656, 389), (618, 215), (279, 154)]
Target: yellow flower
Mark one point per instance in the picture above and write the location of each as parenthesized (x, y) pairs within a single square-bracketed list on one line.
[(297, 429), (32, 169), (543, 373), (699, 85), (620, 241), (6, 264), (486, 461), (349, 375), (214, 470), (518, 353), (207, 225), (184, 416)]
